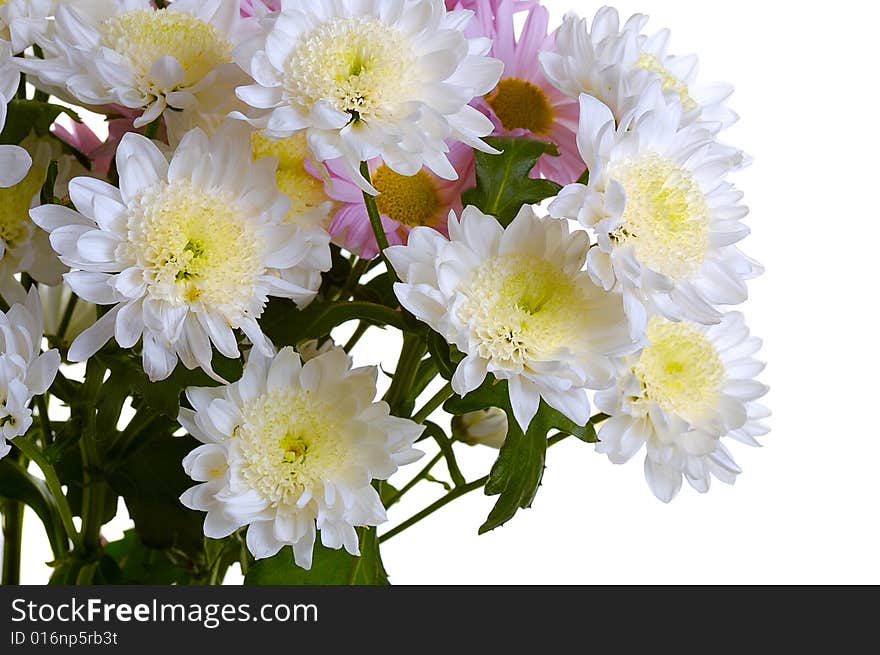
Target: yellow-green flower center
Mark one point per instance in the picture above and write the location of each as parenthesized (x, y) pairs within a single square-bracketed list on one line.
[(361, 66), (410, 200), (668, 81), (521, 105), (195, 245), (304, 190), (288, 440), (666, 219), (143, 36), (681, 369), (15, 202), (522, 308)]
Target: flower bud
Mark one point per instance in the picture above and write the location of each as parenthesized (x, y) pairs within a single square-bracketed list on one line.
[(487, 427)]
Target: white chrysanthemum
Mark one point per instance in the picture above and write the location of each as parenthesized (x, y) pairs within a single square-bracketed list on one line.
[(14, 161), (516, 302), (24, 371), (23, 21), (665, 218), (24, 248), (685, 392), (590, 59), (617, 64), (130, 53), (187, 252), (293, 446), (310, 206), (704, 103), (389, 78)]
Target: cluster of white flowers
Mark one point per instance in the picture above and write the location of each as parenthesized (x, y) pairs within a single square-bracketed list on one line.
[(240, 120), (664, 220), (25, 372)]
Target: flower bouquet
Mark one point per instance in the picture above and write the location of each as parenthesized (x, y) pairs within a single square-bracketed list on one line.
[(544, 217)]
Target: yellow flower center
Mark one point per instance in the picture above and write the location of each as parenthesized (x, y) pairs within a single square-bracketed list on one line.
[(305, 191), (522, 308), (521, 105), (15, 202), (288, 441), (195, 245), (668, 81), (681, 369), (145, 35), (409, 200), (666, 219), (361, 66)]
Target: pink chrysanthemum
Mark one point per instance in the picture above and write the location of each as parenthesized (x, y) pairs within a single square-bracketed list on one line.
[(525, 103), (258, 7), (424, 199), (518, 5), (81, 138)]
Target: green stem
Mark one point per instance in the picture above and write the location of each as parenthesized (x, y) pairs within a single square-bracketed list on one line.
[(13, 520), (94, 490), (67, 317), (412, 483), (33, 453), (358, 333), (376, 222), (441, 397), (456, 493), (357, 272), (404, 375), (373, 212), (43, 409)]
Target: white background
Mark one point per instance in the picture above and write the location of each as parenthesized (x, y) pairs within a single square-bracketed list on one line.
[(805, 509)]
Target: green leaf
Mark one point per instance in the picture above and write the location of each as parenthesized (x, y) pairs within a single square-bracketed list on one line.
[(445, 356), (140, 564), (151, 480), (329, 567), (164, 396), (286, 325), (18, 484), (517, 472), (26, 115), (503, 182)]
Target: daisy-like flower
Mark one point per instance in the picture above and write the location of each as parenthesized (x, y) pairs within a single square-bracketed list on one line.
[(24, 371), (14, 161), (23, 21), (589, 58), (516, 302), (309, 209), (373, 78), (704, 103), (616, 64), (291, 447), (665, 218), (24, 248), (525, 103), (404, 202), (131, 53), (692, 387), (186, 251)]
